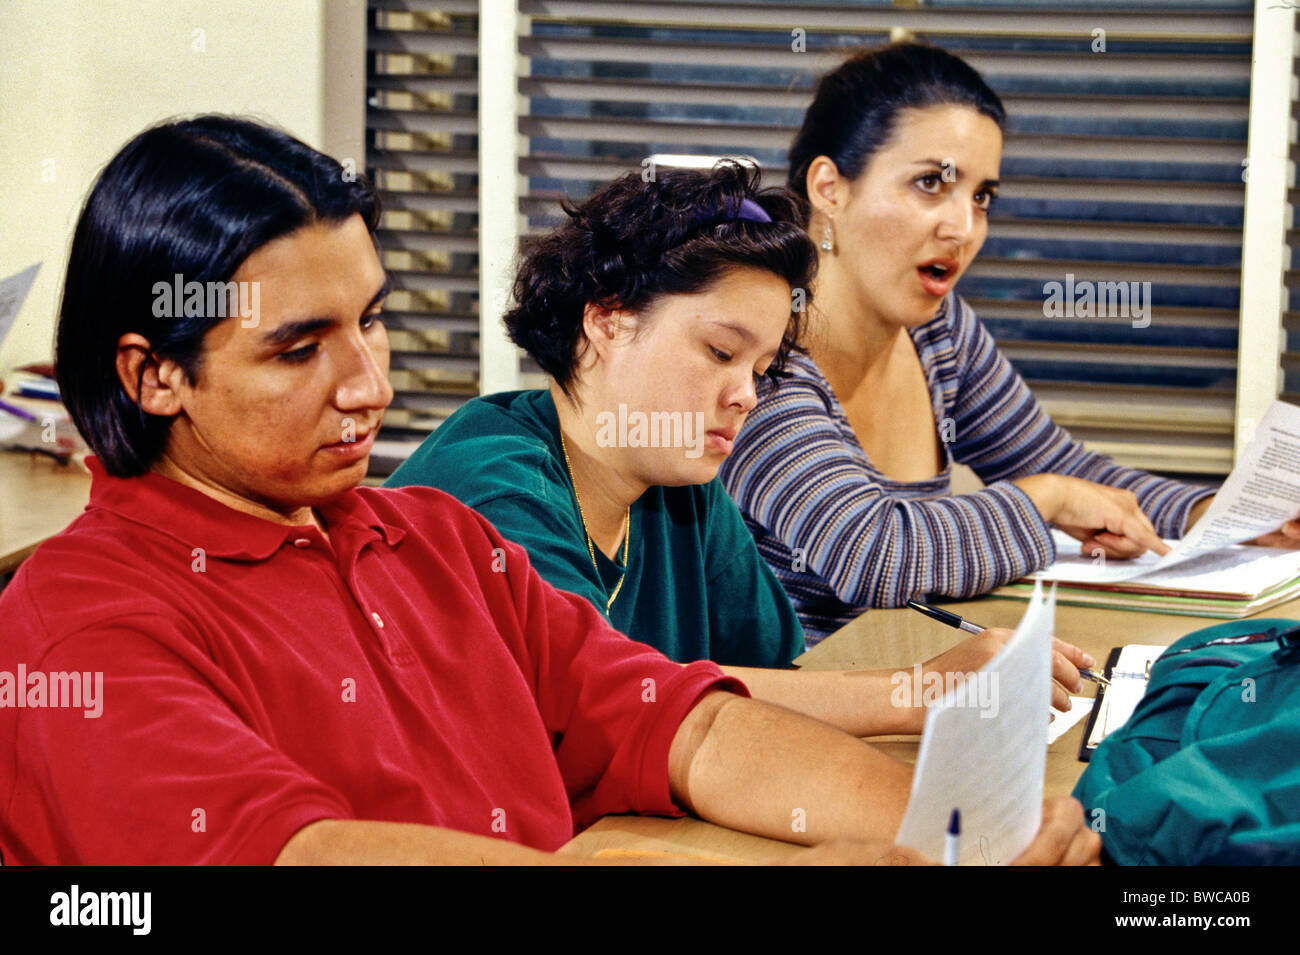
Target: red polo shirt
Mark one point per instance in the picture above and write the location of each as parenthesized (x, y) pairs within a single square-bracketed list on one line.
[(257, 677)]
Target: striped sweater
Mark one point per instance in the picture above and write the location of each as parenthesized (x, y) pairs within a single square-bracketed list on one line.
[(843, 537)]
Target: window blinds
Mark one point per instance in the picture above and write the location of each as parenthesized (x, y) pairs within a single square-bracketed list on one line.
[(422, 154), (1123, 163)]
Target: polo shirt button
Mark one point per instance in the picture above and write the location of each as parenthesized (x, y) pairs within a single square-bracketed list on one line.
[(379, 621), (302, 542)]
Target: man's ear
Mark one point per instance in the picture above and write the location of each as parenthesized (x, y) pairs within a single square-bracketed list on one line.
[(825, 186), (151, 382)]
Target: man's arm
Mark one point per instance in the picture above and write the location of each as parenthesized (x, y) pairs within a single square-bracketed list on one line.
[(763, 769), (363, 842), (786, 761), (759, 768), (856, 701), (738, 763)]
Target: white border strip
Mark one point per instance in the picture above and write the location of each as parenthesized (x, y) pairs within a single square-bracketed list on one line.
[(1264, 252), (499, 188)]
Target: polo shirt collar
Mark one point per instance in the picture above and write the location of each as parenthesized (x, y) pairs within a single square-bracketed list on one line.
[(353, 508), (190, 516)]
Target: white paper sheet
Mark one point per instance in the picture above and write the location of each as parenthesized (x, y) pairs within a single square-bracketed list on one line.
[(12, 292), (1080, 706), (984, 751), (1261, 493)]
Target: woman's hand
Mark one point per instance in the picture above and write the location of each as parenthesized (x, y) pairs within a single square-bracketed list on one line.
[(1288, 535), (1105, 518), (975, 651)]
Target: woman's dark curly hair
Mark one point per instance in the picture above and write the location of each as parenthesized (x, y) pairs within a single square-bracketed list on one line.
[(634, 241)]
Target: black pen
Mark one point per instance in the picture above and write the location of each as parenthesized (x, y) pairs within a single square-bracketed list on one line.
[(952, 620), (945, 617)]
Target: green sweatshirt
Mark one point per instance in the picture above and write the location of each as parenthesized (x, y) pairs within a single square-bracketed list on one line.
[(696, 587)]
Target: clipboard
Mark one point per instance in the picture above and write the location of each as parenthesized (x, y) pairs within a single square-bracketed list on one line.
[(1143, 655), (1086, 751)]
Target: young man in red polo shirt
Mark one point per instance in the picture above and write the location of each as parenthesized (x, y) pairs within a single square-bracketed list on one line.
[(295, 669)]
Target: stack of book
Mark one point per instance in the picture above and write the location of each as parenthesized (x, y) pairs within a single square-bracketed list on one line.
[(1235, 581), (1212, 571), (32, 416)]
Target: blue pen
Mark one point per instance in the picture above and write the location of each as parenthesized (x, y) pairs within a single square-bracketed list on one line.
[(15, 410), (952, 841)]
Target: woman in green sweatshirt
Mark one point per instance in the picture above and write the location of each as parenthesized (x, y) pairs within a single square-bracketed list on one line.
[(655, 309)]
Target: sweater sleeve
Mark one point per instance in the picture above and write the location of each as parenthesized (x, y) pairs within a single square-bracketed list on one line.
[(798, 479), (1002, 433)]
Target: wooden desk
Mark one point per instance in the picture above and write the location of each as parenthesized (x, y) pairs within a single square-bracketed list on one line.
[(888, 638), (899, 638), (38, 498)]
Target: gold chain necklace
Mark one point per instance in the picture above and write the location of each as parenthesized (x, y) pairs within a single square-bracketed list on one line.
[(627, 528)]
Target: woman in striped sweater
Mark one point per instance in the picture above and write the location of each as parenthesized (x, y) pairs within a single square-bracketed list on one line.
[(843, 470)]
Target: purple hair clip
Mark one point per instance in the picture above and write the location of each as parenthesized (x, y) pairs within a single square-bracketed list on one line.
[(748, 209), (751, 210)]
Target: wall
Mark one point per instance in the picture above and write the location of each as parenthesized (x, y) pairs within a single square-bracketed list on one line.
[(78, 78)]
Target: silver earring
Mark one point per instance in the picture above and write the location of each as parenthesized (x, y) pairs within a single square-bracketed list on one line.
[(828, 240)]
